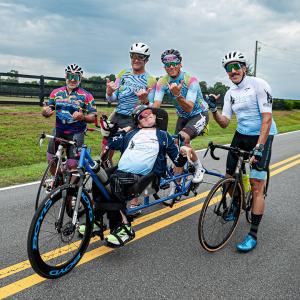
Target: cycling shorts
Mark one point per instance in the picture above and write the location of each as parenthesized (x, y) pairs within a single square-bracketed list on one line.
[(193, 126), (71, 150), (121, 120), (247, 143)]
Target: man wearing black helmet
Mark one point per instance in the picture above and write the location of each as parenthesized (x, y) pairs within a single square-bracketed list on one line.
[(185, 94), (142, 152), (250, 99)]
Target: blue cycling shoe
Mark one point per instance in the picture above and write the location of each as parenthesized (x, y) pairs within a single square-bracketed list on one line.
[(231, 215), (248, 244)]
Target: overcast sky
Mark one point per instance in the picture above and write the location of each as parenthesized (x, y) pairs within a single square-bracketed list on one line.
[(43, 36)]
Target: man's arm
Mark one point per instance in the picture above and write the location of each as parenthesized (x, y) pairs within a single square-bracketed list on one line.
[(220, 119), (265, 128)]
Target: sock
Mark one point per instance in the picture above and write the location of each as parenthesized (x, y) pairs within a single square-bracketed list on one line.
[(255, 219), (197, 164)]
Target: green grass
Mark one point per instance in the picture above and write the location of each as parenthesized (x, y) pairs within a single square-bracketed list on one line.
[(22, 160)]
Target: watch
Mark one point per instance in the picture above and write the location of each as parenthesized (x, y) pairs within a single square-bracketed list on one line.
[(260, 147)]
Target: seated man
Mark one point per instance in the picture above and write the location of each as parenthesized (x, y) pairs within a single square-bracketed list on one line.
[(143, 152)]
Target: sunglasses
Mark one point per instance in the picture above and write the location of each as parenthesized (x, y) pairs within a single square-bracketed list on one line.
[(145, 114), (138, 56), (74, 77), (235, 66), (171, 64)]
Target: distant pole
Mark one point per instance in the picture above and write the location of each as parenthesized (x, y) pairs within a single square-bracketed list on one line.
[(255, 58)]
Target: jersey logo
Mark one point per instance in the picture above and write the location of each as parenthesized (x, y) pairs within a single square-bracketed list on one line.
[(269, 97), (132, 144), (247, 88), (232, 100)]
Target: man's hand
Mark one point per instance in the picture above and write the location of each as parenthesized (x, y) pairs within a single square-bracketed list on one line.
[(143, 95), (175, 89), (78, 115), (212, 102), (111, 87), (257, 153), (47, 111)]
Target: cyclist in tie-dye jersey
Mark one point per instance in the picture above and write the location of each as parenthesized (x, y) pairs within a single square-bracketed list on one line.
[(74, 108), (185, 94), (132, 87)]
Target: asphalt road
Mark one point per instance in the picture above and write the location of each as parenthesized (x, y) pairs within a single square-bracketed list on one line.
[(166, 261)]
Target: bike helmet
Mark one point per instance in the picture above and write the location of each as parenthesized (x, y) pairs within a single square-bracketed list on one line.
[(171, 52), (75, 69), (140, 48), (233, 56), (137, 111)]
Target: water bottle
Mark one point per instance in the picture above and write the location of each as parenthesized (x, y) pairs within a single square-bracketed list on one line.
[(246, 183)]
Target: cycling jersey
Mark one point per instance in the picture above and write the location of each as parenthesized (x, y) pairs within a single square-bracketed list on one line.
[(248, 100), (190, 91), (128, 84), (66, 104)]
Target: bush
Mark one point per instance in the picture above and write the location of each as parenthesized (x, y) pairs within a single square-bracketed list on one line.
[(288, 104)]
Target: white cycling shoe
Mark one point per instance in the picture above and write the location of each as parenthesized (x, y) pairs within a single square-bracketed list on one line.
[(198, 176)]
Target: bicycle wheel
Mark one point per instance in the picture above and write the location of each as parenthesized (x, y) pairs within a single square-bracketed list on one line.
[(220, 214), (53, 244), (249, 198), (48, 183)]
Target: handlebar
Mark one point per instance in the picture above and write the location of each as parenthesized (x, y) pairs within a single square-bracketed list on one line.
[(235, 150), (61, 140)]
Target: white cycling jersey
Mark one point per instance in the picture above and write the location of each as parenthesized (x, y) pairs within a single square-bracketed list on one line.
[(248, 100)]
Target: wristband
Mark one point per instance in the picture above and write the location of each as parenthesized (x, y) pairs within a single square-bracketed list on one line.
[(177, 96), (214, 110)]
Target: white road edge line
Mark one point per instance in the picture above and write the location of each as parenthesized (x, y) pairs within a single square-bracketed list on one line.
[(36, 182)]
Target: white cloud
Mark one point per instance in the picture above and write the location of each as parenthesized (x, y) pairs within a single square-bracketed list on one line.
[(97, 35)]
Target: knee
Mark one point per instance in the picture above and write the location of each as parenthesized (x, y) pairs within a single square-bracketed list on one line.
[(186, 137), (72, 164)]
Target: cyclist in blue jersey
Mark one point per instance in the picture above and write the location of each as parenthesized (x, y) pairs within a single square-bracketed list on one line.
[(185, 93), (74, 107), (250, 99), (132, 87)]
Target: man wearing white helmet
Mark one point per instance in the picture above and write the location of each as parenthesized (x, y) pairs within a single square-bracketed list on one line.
[(132, 87), (250, 98), (74, 108)]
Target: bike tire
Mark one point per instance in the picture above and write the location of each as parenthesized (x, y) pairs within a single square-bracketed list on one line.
[(44, 187), (45, 258), (212, 211), (249, 199)]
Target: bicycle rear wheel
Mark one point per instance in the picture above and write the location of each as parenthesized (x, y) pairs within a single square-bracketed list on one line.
[(220, 214), (53, 244), (249, 198), (48, 183)]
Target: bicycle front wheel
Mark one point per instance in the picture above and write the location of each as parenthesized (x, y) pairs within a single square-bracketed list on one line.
[(53, 244), (220, 214)]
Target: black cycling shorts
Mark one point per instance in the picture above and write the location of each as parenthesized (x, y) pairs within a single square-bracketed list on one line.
[(71, 151), (193, 126), (247, 143)]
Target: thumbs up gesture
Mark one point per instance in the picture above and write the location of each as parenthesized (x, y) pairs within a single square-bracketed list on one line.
[(111, 87), (78, 115)]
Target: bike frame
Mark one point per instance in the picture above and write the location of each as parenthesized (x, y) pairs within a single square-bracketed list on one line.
[(86, 162)]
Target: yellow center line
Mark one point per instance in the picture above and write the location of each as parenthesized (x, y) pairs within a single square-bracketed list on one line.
[(34, 279)]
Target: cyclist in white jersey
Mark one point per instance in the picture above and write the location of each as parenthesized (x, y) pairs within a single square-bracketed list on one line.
[(250, 99)]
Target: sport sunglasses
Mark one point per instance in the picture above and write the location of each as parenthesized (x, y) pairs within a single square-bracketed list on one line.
[(235, 66), (74, 77), (171, 64), (138, 56)]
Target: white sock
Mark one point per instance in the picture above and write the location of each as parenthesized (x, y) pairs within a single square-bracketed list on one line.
[(197, 164)]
